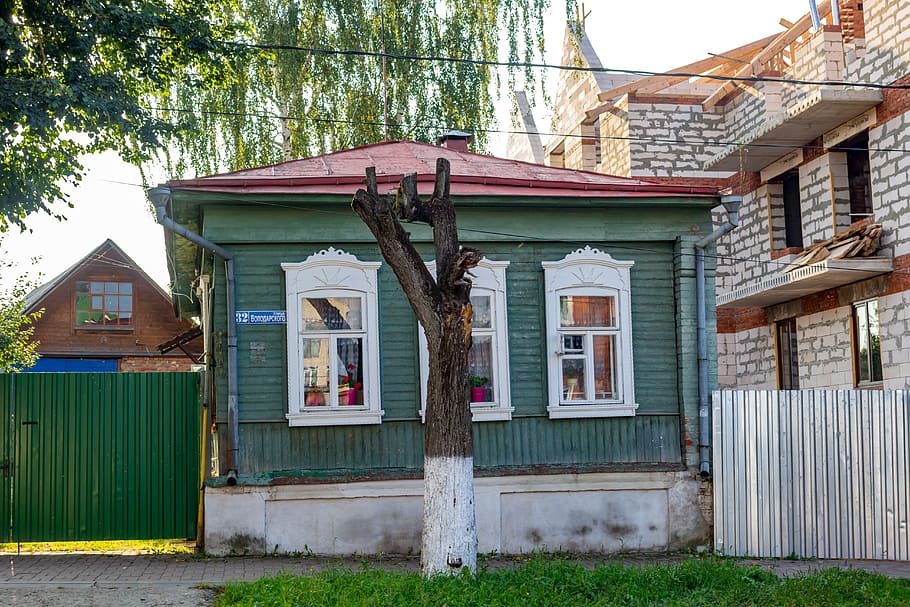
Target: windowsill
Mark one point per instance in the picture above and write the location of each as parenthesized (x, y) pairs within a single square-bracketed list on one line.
[(579, 411), (871, 386), (102, 328), (334, 417), (496, 413)]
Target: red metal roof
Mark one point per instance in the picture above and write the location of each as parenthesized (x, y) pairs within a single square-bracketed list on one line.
[(472, 174)]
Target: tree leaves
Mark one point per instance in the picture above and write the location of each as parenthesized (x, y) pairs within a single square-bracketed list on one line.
[(76, 76)]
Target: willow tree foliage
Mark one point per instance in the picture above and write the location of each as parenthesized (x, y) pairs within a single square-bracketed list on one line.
[(75, 78), (301, 97)]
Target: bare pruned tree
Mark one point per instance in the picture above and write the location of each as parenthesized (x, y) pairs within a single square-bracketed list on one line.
[(443, 308)]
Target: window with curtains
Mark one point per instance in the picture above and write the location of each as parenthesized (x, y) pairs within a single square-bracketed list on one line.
[(333, 334), (589, 335), (488, 359)]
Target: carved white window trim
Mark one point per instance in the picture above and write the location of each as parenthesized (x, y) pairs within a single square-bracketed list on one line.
[(489, 279), (332, 272), (589, 272)]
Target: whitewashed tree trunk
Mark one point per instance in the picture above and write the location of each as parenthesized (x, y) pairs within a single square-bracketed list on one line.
[(443, 308), (449, 526)]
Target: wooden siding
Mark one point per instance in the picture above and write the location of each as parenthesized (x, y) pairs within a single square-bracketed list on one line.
[(522, 443), (530, 439)]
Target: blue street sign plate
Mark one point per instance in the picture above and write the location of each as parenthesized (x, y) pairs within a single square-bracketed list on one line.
[(262, 317)]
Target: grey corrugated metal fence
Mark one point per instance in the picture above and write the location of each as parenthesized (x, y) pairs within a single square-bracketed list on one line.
[(95, 456), (812, 473)]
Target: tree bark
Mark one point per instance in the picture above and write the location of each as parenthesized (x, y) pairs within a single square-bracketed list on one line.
[(443, 308)]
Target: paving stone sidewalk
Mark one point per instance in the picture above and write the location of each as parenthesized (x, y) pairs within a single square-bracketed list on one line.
[(113, 569)]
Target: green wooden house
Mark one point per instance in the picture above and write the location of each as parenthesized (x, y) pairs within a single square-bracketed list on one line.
[(585, 409)]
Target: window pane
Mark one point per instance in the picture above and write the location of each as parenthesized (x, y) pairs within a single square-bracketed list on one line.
[(482, 311), (97, 302), (862, 336), (316, 370), (111, 287), (573, 343), (126, 303), (126, 288), (350, 371), (82, 286), (480, 369), (604, 367), (111, 303), (875, 344), (573, 379), (98, 287), (587, 311), (331, 313)]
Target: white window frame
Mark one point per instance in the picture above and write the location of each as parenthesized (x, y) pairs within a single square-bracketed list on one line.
[(333, 273), (489, 279), (590, 272)]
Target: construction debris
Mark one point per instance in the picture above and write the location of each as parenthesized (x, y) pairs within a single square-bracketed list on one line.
[(858, 241)]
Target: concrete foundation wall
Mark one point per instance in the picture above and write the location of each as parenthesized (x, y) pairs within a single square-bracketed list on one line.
[(602, 512)]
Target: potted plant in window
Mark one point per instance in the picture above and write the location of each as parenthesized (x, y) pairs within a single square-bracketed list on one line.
[(478, 388), (349, 396), (315, 397)]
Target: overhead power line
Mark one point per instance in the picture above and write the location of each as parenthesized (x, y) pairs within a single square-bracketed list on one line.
[(574, 68)]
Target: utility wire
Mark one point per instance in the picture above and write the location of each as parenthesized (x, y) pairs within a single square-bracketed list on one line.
[(575, 68)]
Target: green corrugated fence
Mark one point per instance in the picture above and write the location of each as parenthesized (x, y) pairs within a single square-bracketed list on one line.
[(99, 456)]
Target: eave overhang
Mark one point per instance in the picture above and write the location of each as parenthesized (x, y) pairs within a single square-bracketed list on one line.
[(783, 132), (785, 286)]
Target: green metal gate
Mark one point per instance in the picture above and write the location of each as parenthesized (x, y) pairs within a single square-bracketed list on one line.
[(91, 456)]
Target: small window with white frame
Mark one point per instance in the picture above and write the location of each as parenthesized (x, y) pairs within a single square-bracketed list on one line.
[(488, 358), (589, 336), (333, 340)]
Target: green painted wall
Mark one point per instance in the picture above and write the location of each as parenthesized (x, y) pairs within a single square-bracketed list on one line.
[(663, 337)]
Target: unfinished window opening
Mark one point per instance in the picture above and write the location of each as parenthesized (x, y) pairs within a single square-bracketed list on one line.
[(784, 213), (858, 176), (787, 356)]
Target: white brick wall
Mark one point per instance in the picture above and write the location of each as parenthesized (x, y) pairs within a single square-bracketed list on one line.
[(887, 56), (891, 183), (668, 139), (894, 317), (825, 349), (748, 360), (816, 203)]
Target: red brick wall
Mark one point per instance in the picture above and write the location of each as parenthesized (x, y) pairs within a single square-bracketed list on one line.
[(894, 101), (155, 364), (733, 320)]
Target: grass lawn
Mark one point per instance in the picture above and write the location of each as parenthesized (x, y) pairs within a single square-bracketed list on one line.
[(560, 583)]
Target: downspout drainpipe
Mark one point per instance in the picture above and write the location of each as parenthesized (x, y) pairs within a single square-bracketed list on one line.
[(731, 204), (159, 197)]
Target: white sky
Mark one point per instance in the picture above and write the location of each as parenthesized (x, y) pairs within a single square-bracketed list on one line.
[(652, 35)]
